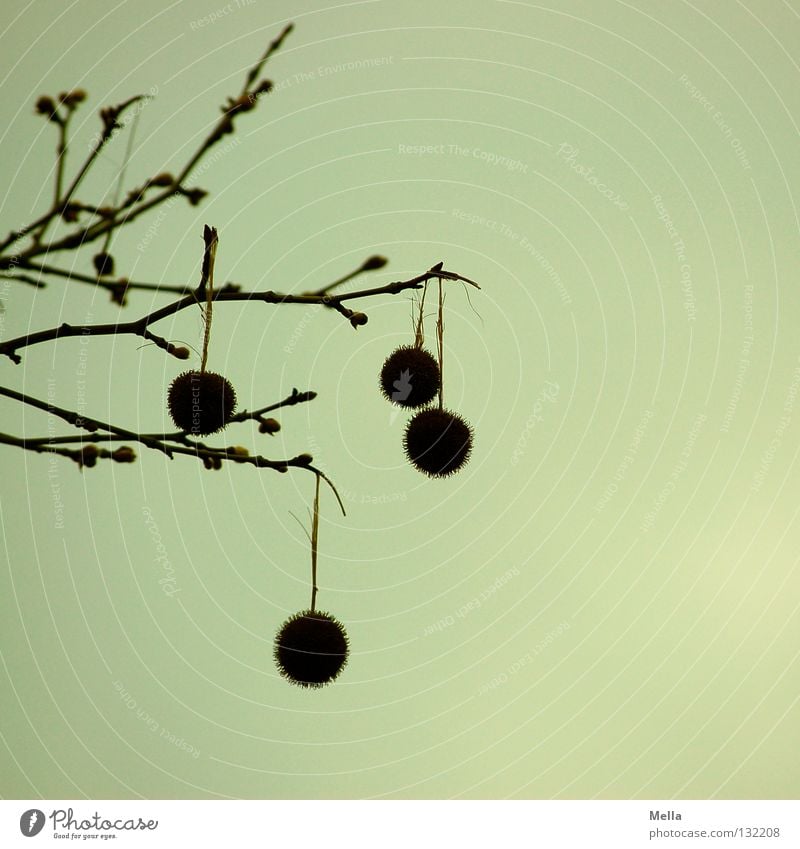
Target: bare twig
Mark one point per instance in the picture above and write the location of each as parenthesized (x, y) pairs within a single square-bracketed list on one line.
[(136, 204), (140, 326)]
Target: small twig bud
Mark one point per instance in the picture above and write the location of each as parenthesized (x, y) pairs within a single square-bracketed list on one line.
[(123, 454), (119, 291), (103, 264), (269, 426), (87, 456), (373, 263), (194, 196), (162, 179), (46, 106), (358, 318), (71, 99), (304, 459)]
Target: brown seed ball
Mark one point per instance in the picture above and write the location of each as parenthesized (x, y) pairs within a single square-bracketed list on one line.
[(438, 442), (201, 403), (311, 648), (410, 377)]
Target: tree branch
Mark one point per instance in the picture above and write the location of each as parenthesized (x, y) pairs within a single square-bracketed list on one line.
[(140, 326)]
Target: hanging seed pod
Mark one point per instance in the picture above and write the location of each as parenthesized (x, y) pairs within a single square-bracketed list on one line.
[(438, 442), (311, 648), (201, 402), (410, 377)]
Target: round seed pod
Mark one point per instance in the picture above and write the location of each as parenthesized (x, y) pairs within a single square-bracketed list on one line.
[(410, 377), (311, 648), (201, 403), (438, 442)]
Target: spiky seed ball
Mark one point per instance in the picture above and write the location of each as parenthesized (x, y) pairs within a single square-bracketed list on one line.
[(201, 403), (410, 377), (311, 648), (438, 442)]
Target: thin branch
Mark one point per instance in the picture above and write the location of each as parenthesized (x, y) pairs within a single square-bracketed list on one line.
[(112, 285), (86, 456), (61, 155), (223, 126), (295, 398), (24, 278), (140, 326), (273, 47), (110, 117), (83, 422), (370, 264)]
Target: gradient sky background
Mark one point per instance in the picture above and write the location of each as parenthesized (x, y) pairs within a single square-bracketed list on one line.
[(604, 602)]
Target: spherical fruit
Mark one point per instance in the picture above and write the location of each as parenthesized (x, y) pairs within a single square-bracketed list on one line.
[(438, 442), (410, 377), (201, 403), (311, 648)]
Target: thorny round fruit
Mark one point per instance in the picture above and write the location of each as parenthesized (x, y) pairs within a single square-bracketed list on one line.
[(311, 648), (438, 442), (410, 377), (201, 403)]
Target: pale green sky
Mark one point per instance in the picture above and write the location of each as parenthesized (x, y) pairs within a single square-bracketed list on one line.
[(603, 603)]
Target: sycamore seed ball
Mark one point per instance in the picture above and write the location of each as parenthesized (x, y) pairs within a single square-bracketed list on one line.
[(438, 442), (410, 377), (201, 403), (311, 648)]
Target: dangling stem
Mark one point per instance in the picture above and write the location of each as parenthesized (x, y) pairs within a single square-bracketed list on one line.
[(314, 538), (207, 283), (419, 332), (121, 177), (440, 344)]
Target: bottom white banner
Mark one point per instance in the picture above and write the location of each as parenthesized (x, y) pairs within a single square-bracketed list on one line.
[(388, 824)]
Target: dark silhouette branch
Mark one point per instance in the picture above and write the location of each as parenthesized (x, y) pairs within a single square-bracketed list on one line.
[(135, 204), (140, 326)]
